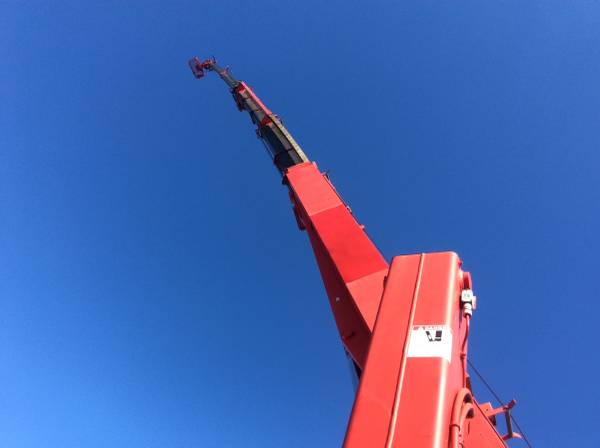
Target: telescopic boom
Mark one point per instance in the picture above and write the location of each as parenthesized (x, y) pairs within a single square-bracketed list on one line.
[(405, 325)]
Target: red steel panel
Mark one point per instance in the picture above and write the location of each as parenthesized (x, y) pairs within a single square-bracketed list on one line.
[(409, 382), (370, 419), (245, 88), (352, 268)]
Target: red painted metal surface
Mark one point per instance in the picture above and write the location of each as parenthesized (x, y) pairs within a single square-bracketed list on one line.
[(243, 89), (408, 385), (413, 391), (352, 268)]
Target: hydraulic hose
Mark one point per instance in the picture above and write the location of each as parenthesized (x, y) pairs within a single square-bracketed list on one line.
[(462, 409)]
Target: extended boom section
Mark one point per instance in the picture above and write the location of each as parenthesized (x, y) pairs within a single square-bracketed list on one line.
[(351, 267), (281, 145), (405, 326)]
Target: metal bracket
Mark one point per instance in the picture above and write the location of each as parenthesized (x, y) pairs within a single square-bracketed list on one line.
[(491, 414)]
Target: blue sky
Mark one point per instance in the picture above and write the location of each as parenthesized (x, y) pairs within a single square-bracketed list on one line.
[(154, 289)]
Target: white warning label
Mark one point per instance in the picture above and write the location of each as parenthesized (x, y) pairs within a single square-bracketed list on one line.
[(430, 341)]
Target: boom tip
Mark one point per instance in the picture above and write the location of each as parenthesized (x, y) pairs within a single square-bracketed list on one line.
[(198, 66)]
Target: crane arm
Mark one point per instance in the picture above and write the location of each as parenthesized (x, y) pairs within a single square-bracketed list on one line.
[(405, 325), (351, 267)]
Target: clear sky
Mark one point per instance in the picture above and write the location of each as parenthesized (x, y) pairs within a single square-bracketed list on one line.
[(154, 288)]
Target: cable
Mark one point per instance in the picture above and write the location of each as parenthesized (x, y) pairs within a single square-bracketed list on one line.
[(493, 392)]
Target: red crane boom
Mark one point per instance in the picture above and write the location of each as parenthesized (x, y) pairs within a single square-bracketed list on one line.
[(405, 325)]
